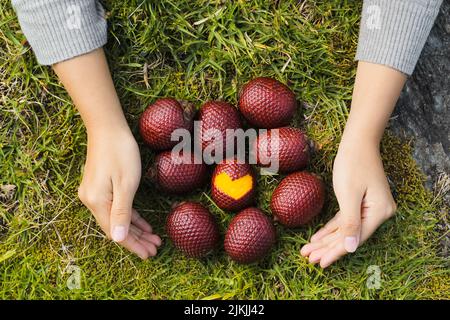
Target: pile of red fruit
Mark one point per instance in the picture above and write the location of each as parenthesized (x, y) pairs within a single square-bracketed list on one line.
[(299, 197)]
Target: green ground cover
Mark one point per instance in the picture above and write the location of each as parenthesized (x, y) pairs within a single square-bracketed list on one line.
[(197, 50)]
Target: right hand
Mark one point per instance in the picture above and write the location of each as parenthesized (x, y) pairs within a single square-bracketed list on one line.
[(365, 202), (111, 177)]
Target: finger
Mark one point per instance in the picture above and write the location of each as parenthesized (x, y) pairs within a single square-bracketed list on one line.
[(121, 212), (149, 246), (98, 205), (102, 214), (102, 218), (134, 245), (153, 238), (369, 226), (350, 220), (316, 255), (152, 250), (313, 246), (374, 218), (330, 227), (140, 222), (334, 252), (149, 237), (310, 247)]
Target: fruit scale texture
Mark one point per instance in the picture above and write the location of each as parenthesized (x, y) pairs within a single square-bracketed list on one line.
[(267, 103), (161, 118), (192, 229), (216, 117), (250, 236), (175, 177), (298, 199), (290, 146)]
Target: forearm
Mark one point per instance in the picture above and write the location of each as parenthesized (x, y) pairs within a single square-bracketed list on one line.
[(375, 94), (88, 81), (392, 35)]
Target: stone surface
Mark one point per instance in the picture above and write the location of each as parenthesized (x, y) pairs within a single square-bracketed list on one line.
[(423, 110)]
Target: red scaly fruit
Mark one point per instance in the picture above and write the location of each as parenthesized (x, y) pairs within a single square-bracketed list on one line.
[(192, 229), (290, 146), (233, 185), (267, 103), (161, 118), (177, 173), (250, 236), (298, 199), (220, 116)]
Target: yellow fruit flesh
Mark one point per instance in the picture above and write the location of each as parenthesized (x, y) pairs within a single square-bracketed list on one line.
[(235, 189)]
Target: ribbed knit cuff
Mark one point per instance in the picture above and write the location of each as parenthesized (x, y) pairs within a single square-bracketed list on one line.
[(393, 32), (58, 30)]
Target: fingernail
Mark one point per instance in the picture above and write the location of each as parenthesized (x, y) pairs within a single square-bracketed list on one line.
[(303, 250), (118, 233), (350, 244)]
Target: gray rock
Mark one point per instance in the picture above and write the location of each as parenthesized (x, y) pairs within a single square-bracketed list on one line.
[(423, 110)]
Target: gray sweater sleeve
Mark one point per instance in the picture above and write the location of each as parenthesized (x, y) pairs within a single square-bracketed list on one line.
[(58, 30), (393, 32)]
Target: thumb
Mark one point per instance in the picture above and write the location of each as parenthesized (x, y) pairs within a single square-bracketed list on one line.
[(350, 208), (121, 211)]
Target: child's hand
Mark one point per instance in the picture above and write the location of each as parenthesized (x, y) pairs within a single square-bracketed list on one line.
[(113, 166), (365, 202), (359, 182), (111, 178)]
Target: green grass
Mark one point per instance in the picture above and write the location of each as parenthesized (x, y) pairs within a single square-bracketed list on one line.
[(44, 229)]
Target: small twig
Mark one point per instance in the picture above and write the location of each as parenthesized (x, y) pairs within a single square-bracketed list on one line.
[(199, 22), (145, 71), (287, 62), (312, 112)]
